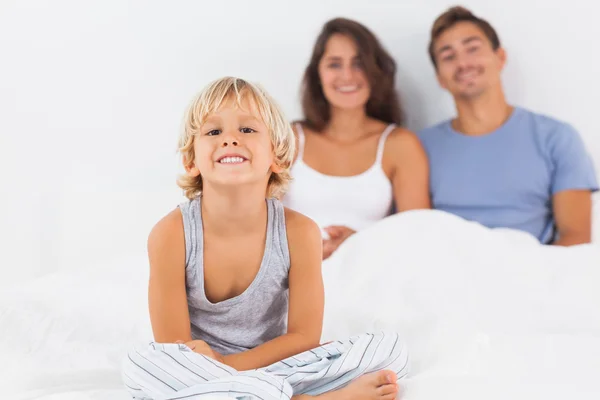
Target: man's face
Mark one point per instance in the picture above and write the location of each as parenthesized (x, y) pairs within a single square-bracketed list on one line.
[(467, 65)]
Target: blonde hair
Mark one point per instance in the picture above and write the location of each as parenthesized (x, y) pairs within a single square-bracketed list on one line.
[(209, 100)]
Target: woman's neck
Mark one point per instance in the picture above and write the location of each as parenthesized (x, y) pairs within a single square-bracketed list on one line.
[(347, 124)]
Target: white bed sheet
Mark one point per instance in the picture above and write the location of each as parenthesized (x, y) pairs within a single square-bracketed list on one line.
[(487, 314)]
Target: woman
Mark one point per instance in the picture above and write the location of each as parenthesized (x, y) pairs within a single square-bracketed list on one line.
[(353, 158)]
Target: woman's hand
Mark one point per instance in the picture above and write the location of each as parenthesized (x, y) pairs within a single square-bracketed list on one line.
[(337, 235), (201, 347)]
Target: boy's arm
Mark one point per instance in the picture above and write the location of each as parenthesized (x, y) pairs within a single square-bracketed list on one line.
[(305, 316), (166, 290)]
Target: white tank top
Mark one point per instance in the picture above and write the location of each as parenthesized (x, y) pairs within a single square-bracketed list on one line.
[(354, 201)]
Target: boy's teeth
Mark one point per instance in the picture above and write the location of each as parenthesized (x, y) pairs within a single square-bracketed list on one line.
[(231, 160)]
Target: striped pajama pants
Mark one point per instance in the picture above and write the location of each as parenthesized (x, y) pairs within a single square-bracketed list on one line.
[(173, 371)]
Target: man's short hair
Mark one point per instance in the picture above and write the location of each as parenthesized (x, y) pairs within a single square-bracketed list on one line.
[(453, 16)]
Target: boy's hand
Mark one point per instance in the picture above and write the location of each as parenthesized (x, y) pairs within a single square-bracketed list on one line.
[(201, 347)]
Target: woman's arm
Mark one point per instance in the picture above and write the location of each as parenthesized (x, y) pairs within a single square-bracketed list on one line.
[(166, 290), (305, 316), (410, 170)]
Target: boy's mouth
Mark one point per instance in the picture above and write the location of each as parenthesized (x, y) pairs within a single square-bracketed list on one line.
[(231, 159)]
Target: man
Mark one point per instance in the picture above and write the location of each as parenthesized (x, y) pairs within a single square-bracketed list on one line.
[(496, 164)]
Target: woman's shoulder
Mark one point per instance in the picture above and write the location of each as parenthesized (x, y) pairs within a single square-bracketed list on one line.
[(401, 138), (298, 123), (403, 146), (298, 129), (300, 126)]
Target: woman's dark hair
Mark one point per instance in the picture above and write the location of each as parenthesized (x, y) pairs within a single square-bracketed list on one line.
[(379, 67)]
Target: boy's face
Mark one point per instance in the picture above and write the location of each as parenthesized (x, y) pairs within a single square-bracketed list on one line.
[(467, 65), (233, 147)]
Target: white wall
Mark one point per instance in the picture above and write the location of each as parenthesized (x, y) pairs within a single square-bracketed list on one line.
[(92, 95)]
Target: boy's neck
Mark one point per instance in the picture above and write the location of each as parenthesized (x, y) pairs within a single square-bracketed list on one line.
[(482, 115), (230, 211)]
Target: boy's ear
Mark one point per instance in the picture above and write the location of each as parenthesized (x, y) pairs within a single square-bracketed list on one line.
[(191, 168), (276, 168)]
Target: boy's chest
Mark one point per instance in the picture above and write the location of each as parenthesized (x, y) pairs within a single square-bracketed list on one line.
[(230, 266)]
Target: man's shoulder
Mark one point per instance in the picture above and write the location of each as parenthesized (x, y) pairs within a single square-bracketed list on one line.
[(545, 125), (434, 129), (431, 135)]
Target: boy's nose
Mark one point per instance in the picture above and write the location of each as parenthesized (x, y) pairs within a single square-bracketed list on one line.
[(229, 138), (231, 142)]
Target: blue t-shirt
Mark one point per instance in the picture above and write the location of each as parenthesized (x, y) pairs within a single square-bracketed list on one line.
[(507, 178)]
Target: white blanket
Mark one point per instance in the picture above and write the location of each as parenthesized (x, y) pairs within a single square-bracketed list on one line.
[(486, 314)]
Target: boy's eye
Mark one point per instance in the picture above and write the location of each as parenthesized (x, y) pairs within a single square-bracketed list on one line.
[(247, 130), (213, 132)]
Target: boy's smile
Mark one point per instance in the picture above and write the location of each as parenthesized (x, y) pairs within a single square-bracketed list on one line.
[(233, 146), (231, 159)]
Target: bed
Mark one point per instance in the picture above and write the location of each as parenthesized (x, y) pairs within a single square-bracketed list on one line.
[(486, 314)]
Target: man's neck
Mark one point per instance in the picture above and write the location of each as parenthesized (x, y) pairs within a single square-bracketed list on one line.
[(347, 125), (482, 115), (231, 211)]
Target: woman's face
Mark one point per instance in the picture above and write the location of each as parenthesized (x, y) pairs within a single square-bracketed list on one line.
[(342, 76)]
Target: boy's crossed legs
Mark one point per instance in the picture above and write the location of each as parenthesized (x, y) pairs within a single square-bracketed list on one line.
[(363, 367)]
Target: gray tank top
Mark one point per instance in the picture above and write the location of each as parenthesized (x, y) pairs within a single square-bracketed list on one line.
[(257, 315)]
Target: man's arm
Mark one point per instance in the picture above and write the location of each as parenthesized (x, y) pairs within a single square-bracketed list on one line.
[(306, 307), (573, 181), (573, 215)]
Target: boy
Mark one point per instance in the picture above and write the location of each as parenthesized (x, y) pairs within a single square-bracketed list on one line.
[(235, 279)]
